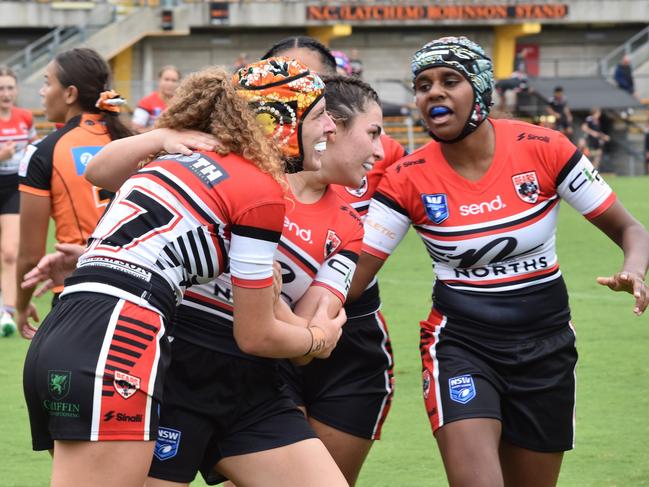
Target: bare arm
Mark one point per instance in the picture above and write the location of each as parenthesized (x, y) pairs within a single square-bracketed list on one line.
[(119, 159), (631, 236), (258, 332), (34, 221)]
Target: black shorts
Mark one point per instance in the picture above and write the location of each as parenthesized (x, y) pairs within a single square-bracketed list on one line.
[(218, 406), (527, 384), (94, 371), (9, 195), (352, 390)]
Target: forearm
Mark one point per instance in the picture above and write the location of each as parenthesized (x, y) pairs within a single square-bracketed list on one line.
[(23, 265), (284, 313), (119, 159), (276, 339), (635, 245)]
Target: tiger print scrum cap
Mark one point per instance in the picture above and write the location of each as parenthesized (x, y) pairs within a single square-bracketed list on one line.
[(281, 91)]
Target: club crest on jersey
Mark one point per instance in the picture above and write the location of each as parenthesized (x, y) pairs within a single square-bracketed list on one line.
[(167, 443), (527, 186), (126, 385), (436, 206), (361, 190), (461, 388), (331, 243)]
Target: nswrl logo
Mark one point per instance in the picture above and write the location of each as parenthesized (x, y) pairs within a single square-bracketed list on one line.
[(462, 388), (59, 383), (167, 443)]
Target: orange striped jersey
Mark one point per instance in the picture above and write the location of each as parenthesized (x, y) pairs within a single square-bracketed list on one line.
[(496, 234), (19, 129), (319, 246), (191, 218), (148, 110), (359, 198), (54, 168)]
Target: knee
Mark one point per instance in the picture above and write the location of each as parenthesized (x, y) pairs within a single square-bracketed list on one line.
[(9, 256)]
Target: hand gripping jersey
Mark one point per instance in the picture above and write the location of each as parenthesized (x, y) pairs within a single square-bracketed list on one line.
[(148, 110), (19, 128), (319, 246), (189, 219), (496, 234)]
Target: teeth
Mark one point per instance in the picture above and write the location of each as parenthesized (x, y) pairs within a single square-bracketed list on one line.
[(368, 166), (321, 146)]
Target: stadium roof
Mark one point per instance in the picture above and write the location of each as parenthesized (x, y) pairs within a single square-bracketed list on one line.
[(585, 93)]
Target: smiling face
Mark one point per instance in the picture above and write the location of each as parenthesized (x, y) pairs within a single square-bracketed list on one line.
[(8, 93), (353, 149), (445, 99), (316, 127)]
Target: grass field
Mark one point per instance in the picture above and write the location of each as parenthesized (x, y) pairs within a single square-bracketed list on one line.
[(613, 372)]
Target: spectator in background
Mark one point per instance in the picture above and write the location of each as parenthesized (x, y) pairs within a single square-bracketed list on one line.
[(356, 63), (240, 61), (516, 83), (558, 107), (520, 61), (595, 136), (151, 106), (16, 131), (343, 65), (624, 75)]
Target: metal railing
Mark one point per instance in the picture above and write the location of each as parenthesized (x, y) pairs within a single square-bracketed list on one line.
[(43, 47), (633, 45)]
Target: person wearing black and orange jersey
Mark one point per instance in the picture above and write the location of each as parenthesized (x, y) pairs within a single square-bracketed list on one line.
[(51, 176)]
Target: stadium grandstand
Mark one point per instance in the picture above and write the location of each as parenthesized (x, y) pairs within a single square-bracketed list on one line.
[(536, 46)]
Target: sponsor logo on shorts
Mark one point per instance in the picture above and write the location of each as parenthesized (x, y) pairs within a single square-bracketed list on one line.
[(461, 388), (59, 383), (126, 385), (436, 206), (167, 443), (122, 417), (58, 386), (426, 383)]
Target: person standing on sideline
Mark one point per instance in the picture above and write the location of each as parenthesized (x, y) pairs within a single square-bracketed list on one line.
[(75, 93), (646, 147), (498, 381), (595, 136), (16, 131), (558, 108), (624, 75), (151, 106)]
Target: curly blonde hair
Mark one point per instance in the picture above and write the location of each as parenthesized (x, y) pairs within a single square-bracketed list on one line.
[(207, 101)]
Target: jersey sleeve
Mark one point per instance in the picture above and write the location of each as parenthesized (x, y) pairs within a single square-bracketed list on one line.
[(35, 171), (337, 270), (255, 235), (387, 220), (141, 116), (580, 184)]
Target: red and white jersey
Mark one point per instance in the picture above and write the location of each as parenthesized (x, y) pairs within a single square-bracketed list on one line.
[(496, 234), (19, 129), (359, 198), (319, 246), (191, 218), (148, 110)]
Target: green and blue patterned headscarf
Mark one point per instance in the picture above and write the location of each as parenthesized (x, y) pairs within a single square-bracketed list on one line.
[(471, 61)]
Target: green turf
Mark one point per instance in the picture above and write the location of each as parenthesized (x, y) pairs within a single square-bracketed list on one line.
[(613, 374)]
